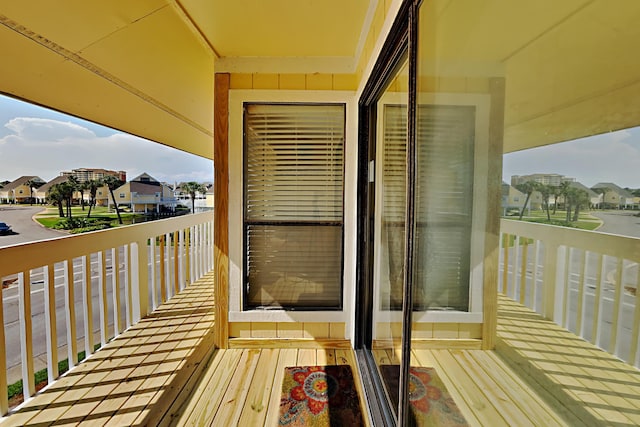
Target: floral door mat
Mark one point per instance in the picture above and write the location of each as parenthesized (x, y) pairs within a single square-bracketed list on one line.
[(431, 403), (319, 396)]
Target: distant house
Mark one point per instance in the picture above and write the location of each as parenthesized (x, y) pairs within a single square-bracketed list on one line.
[(512, 199), (614, 196), (594, 198), (42, 193), (19, 191), (203, 201), (144, 194)]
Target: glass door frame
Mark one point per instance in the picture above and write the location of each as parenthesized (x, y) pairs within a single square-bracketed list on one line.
[(400, 46)]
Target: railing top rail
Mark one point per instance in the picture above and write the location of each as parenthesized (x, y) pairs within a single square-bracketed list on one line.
[(594, 241), (25, 256)]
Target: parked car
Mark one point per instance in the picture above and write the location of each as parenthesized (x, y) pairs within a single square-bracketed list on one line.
[(5, 228)]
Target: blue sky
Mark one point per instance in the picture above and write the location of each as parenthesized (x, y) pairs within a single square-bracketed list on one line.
[(38, 141), (611, 157)]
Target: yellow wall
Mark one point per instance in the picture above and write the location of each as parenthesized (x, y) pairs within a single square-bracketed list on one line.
[(293, 81)]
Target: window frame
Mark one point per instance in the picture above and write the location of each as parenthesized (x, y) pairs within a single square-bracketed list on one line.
[(237, 313)]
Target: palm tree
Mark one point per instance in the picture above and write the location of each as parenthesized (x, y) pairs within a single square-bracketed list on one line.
[(555, 191), (112, 183), (92, 185), (580, 198), (192, 188), (546, 191), (527, 188), (56, 198), (565, 189), (33, 183)]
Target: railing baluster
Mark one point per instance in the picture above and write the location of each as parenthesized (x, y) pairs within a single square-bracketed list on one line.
[(581, 286), (550, 280), (26, 333), (566, 285), (127, 285), (635, 329), (152, 273), (534, 276), (70, 313), (176, 264), (187, 255), (50, 322), (505, 262), (163, 273), (140, 278), (515, 268), (115, 283), (183, 259), (4, 397), (523, 271), (87, 304), (168, 265), (102, 297), (596, 328), (616, 324)]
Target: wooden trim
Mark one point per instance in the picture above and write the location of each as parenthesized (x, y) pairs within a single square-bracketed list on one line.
[(492, 238), (221, 196), (288, 343), (436, 343)]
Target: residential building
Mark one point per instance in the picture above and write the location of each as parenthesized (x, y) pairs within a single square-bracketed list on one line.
[(614, 196), (144, 194), (87, 174), (552, 179), (19, 190), (357, 150), (42, 193)]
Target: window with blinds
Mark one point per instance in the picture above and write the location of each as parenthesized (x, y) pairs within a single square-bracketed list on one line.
[(444, 202), (293, 194)]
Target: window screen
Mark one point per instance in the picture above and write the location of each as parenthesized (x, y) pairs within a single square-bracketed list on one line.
[(293, 190)]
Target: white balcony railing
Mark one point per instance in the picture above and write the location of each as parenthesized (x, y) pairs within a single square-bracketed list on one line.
[(585, 281), (76, 290)]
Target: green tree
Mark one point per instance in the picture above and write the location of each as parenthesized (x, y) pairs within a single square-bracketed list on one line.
[(527, 188), (545, 191), (555, 191), (92, 185), (579, 198), (565, 189), (56, 198), (112, 183), (192, 188), (33, 183)]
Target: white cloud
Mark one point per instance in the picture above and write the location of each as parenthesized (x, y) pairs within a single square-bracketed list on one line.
[(45, 147)]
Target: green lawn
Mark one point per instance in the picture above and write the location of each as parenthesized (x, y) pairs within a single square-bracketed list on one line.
[(585, 220)]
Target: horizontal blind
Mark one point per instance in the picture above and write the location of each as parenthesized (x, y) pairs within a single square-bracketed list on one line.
[(293, 205), (294, 157), (444, 201)]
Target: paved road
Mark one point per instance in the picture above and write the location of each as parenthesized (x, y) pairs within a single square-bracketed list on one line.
[(23, 227), (624, 223)]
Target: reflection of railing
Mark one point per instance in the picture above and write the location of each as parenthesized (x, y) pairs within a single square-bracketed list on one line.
[(583, 280), (128, 271)]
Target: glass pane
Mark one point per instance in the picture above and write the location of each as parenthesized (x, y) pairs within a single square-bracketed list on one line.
[(391, 146)]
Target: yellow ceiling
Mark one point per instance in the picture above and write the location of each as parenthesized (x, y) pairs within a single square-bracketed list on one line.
[(147, 66)]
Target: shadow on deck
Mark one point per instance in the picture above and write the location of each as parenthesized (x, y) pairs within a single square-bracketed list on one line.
[(164, 371)]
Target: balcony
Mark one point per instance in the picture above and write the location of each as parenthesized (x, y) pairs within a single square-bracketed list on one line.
[(162, 368)]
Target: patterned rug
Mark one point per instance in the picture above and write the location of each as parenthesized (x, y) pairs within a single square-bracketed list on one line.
[(431, 403), (319, 396)]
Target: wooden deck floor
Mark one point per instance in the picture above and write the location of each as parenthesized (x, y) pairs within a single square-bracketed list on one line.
[(163, 372)]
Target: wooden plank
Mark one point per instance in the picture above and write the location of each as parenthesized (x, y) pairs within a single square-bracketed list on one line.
[(306, 357), (583, 266), (287, 357), (490, 267), (256, 405), (616, 325), (221, 202), (176, 262), (230, 409), (597, 306), (288, 343), (87, 304), (517, 391), (523, 271), (102, 297), (163, 271)]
